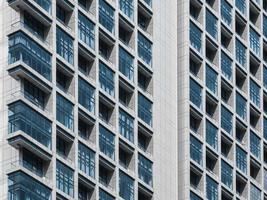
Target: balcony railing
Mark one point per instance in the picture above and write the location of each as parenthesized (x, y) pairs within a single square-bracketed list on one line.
[(21, 185), (22, 117), (45, 4), (14, 165), (22, 48), (15, 95), (21, 24)]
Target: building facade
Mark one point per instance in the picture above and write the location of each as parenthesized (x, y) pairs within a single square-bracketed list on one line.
[(222, 132), (78, 114), (133, 99)]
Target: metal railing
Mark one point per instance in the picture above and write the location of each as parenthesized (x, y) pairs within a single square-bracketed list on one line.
[(21, 24), (20, 94), (14, 165)]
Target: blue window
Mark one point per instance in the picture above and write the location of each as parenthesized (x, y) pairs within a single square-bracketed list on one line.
[(126, 125), (34, 94), (145, 109), (22, 48), (127, 7), (265, 180), (34, 26), (196, 150), (211, 189), (193, 196), (86, 95), (241, 106), (107, 142), (84, 4), (22, 117), (258, 1), (226, 120), (211, 135), (64, 179), (211, 24), (241, 159), (86, 160), (241, 53), (62, 147), (126, 64), (145, 49), (126, 187), (255, 145), (195, 37), (61, 14), (65, 112), (211, 80), (254, 41), (86, 31), (255, 193), (265, 77), (145, 172), (32, 163), (226, 66), (226, 12), (241, 5), (148, 2), (64, 46), (22, 186), (106, 16), (265, 128), (254, 93), (104, 195), (106, 79), (83, 192), (45, 4), (227, 174), (265, 26), (195, 93)]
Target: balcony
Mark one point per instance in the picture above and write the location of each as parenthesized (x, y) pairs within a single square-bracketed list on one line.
[(32, 27), (44, 176), (29, 60), (40, 9), (29, 129), (21, 185)]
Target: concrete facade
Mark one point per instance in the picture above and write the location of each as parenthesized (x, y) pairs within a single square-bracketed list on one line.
[(159, 147), (133, 99), (221, 97)]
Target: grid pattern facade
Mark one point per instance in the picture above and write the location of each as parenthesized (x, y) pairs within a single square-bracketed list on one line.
[(81, 112), (228, 98)]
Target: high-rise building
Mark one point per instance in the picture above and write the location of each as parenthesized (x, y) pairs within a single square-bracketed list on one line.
[(222, 99), (133, 99), (88, 99)]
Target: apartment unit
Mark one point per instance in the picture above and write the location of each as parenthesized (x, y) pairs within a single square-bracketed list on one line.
[(78, 116), (222, 99)]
